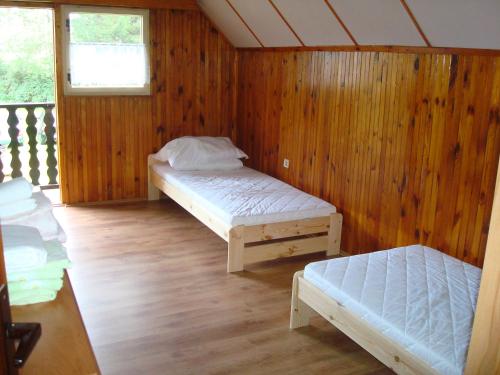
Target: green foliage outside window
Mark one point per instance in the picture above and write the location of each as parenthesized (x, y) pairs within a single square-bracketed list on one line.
[(106, 28), (26, 56)]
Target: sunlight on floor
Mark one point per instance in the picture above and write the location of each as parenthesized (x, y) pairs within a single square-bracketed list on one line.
[(53, 194)]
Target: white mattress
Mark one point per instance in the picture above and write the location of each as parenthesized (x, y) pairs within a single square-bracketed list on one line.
[(244, 196), (41, 218), (417, 296)]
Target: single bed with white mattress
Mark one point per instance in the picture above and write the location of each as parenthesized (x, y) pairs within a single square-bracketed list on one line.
[(420, 300), (244, 206)]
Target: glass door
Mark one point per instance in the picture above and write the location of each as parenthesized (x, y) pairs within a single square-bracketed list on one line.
[(28, 135)]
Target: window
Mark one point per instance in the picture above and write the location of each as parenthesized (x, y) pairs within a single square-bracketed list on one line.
[(106, 51)]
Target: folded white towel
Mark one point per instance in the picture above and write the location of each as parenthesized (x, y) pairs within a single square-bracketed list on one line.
[(42, 218), (11, 210), (24, 249), (15, 190)]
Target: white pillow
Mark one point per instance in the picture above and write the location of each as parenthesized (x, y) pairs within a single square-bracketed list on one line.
[(188, 152), (220, 165)]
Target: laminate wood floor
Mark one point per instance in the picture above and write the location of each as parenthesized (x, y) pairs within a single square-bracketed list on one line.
[(155, 297)]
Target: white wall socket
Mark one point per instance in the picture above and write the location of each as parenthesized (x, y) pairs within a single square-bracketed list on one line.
[(286, 163)]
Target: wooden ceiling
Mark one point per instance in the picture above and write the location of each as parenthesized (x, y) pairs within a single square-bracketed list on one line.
[(295, 23)]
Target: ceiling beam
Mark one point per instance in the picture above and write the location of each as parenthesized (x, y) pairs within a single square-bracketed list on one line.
[(415, 22), (244, 22), (379, 48), (286, 22), (341, 22)]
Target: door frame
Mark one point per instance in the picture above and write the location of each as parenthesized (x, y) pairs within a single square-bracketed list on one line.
[(6, 346)]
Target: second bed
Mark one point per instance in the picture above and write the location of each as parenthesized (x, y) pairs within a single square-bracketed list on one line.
[(411, 307)]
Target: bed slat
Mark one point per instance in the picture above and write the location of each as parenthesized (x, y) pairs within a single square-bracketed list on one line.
[(285, 249), (211, 221), (265, 232)]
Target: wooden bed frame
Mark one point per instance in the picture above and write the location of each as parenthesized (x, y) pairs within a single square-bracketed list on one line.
[(250, 244), (307, 300)]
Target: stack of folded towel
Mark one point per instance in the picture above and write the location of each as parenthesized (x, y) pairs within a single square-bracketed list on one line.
[(34, 258), (35, 268), (16, 198)]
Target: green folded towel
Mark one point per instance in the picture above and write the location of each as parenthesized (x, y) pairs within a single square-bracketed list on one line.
[(34, 285), (40, 284), (45, 273), (28, 297), (57, 261)]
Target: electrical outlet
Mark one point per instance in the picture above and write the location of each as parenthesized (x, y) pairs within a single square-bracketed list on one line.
[(286, 163)]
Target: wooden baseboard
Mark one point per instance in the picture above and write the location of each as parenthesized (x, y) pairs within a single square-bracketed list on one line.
[(104, 203)]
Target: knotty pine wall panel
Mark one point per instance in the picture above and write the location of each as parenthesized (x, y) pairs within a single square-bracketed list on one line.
[(405, 145), (104, 140)]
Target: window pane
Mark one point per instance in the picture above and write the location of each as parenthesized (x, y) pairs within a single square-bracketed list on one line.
[(107, 50), (105, 28), (26, 56)]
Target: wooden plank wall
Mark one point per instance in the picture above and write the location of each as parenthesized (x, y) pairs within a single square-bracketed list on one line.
[(405, 145), (104, 141)]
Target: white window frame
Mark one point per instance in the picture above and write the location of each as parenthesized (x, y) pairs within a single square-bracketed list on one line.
[(102, 91)]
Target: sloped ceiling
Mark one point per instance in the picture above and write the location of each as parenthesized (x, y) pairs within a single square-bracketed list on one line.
[(291, 23)]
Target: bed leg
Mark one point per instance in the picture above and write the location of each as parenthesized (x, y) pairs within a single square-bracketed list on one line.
[(300, 311), (334, 234), (235, 249), (153, 191)]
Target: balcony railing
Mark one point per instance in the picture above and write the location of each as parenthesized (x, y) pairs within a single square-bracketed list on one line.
[(28, 142)]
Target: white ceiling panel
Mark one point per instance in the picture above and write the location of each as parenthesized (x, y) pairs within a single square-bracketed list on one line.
[(265, 22), (228, 22), (379, 22), (459, 23), (313, 22)]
